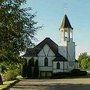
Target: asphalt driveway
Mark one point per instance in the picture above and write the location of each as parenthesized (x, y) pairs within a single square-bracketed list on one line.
[(53, 84)]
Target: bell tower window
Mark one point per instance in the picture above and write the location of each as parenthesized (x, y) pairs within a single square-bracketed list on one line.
[(66, 35)]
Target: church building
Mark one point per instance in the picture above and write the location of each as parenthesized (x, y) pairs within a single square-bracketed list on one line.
[(53, 58)]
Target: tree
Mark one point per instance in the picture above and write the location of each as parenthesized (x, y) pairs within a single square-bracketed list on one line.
[(17, 28), (84, 61), (82, 56), (36, 70), (29, 69), (24, 69)]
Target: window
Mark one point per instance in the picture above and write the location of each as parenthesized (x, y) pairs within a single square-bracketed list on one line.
[(46, 61), (66, 34), (58, 65)]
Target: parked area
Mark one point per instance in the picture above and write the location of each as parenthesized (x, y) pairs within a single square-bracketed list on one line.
[(53, 84)]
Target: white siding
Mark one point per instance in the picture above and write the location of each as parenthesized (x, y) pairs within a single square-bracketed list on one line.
[(45, 52), (63, 51), (51, 53), (71, 65), (41, 53), (71, 51), (65, 65), (55, 70), (76, 65), (41, 61), (46, 49), (45, 68)]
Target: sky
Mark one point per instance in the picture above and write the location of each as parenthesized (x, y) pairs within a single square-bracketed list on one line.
[(50, 14)]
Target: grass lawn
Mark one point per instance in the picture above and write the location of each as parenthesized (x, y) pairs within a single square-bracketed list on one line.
[(7, 84)]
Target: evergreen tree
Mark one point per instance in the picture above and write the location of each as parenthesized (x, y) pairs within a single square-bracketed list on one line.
[(24, 69), (29, 69), (36, 70)]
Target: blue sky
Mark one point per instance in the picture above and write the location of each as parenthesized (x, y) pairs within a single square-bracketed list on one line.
[(50, 14)]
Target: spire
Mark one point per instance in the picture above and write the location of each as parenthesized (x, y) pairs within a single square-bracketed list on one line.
[(66, 23)]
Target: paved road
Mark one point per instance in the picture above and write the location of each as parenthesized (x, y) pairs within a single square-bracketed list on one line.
[(53, 84)]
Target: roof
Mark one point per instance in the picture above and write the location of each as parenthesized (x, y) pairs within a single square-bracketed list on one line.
[(60, 59), (65, 23), (34, 51)]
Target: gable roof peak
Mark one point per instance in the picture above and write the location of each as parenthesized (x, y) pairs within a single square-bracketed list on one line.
[(65, 23)]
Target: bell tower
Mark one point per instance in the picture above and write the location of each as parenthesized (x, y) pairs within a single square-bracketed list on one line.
[(67, 48), (66, 30)]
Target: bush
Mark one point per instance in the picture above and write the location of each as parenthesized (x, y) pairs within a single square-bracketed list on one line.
[(10, 75), (77, 72), (60, 75), (83, 73)]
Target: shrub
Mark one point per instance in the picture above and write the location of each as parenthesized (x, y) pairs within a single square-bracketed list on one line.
[(77, 72), (10, 75), (60, 75), (83, 73)]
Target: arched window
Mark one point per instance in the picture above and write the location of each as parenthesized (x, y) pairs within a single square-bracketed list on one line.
[(58, 65), (46, 61)]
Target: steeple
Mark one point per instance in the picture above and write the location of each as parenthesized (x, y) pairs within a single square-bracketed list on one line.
[(66, 30), (65, 23)]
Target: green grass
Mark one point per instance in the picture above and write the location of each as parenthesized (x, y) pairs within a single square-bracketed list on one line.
[(6, 84)]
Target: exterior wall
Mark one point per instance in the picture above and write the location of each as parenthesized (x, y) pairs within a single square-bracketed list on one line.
[(63, 67), (41, 61), (45, 52), (45, 68), (71, 51), (45, 74), (76, 65), (63, 51), (71, 65), (66, 34), (67, 48), (71, 55)]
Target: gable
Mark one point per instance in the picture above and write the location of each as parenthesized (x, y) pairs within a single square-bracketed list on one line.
[(46, 51), (47, 44)]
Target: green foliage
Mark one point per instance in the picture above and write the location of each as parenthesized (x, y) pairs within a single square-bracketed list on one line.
[(10, 74), (78, 72), (9, 70), (84, 61), (17, 28)]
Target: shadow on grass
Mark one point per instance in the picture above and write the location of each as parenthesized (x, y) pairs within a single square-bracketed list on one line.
[(52, 87)]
